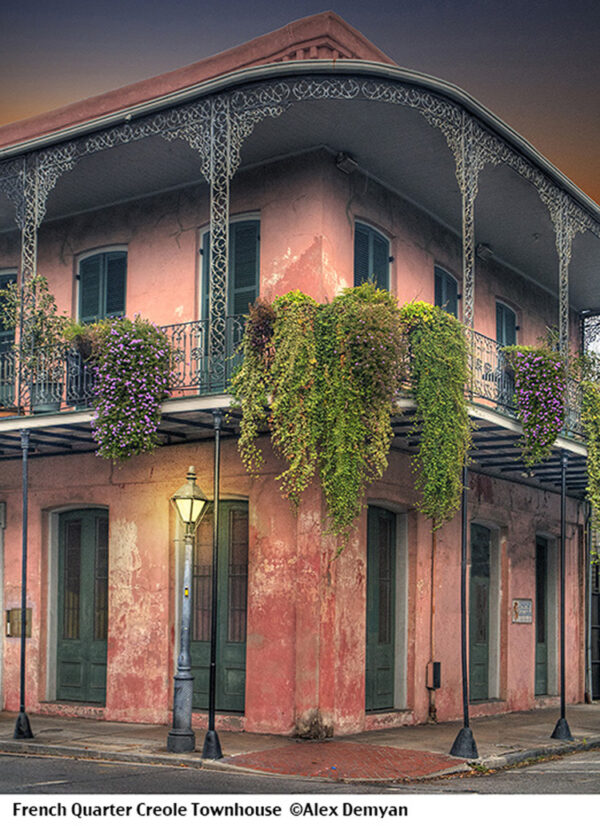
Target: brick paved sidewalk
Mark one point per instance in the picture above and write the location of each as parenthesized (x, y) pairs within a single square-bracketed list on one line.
[(345, 761)]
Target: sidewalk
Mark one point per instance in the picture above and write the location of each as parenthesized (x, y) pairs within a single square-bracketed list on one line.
[(409, 752)]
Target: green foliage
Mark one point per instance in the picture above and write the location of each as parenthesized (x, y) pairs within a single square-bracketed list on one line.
[(251, 383), (540, 389), (586, 369), (590, 416), (295, 390), (43, 326), (330, 374), (438, 374), (361, 357)]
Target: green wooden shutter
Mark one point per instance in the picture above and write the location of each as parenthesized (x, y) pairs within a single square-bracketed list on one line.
[(243, 266), (102, 286), (115, 269), (371, 257), (381, 261), (90, 270), (244, 244), (446, 292), (361, 255), (506, 325)]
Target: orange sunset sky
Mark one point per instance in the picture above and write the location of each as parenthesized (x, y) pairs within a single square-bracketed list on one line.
[(534, 63)]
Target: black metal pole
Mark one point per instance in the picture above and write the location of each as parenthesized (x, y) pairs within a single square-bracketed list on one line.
[(464, 744), (22, 726), (561, 730), (212, 746)]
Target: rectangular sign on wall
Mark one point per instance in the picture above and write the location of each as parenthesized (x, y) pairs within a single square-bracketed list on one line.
[(522, 610)]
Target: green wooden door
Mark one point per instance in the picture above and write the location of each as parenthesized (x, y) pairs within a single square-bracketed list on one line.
[(479, 613), (541, 616), (232, 598), (82, 606), (595, 631), (381, 593)]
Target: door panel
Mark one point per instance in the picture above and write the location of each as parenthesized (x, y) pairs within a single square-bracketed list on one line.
[(82, 606), (381, 609), (479, 613), (541, 616), (232, 608), (595, 631)]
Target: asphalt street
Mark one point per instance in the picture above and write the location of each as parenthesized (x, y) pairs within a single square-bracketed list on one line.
[(577, 773)]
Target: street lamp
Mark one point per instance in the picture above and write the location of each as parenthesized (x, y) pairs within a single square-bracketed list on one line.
[(190, 504)]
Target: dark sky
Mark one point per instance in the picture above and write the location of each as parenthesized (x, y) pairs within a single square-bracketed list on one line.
[(534, 63)]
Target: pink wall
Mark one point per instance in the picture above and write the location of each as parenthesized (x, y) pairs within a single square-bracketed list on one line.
[(306, 607), (307, 209)]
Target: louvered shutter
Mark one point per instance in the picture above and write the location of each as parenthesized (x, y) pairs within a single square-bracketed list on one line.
[(244, 243), (381, 258), (361, 255), (90, 270), (116, 265), (243, 270)]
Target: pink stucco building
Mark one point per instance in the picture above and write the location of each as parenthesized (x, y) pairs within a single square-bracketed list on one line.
[(305, 159)]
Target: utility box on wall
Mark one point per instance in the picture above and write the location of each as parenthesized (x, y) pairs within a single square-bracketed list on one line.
[(434, 675), (13, 622)]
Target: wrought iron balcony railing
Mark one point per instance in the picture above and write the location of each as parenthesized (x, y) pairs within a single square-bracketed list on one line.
[(492, 382), (62, 379), (52, 380)]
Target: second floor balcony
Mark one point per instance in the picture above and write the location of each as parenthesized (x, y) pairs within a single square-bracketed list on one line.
[(64, 381)]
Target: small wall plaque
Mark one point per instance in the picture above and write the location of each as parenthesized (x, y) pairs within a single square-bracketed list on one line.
[(522, 610), (13, 622)]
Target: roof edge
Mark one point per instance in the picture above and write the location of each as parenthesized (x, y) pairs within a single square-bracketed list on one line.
[(288, 68), (324, 36)]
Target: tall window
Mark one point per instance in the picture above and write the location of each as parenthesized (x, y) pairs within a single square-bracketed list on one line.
[(371, 257), (506, 325), (446, 292), (102, 285), (7, 334), (244, 241)]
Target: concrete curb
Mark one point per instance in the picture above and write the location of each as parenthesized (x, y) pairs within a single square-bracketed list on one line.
[(180, 761), (41, 750), (510, 759)]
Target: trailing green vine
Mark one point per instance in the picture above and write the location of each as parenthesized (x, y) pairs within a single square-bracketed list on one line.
[(330, 374), (540, 389), (438, 375), (361, 357), (295, 390)]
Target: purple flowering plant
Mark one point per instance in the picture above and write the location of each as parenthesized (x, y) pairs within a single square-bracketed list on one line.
[(540, 389), (132, 362)]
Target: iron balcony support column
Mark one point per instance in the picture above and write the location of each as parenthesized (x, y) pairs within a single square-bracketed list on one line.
[(212, 746), (22, 726), (561, 730), (220, 175), (464, 745), (181, 738)]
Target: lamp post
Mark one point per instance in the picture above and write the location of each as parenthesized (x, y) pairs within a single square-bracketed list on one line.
[(190, 504)]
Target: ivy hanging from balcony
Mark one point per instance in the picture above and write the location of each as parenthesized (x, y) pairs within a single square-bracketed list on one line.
[(329, 375), (438, 376), (586, 369), (540, 389), (132, 376), (325, 379)]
